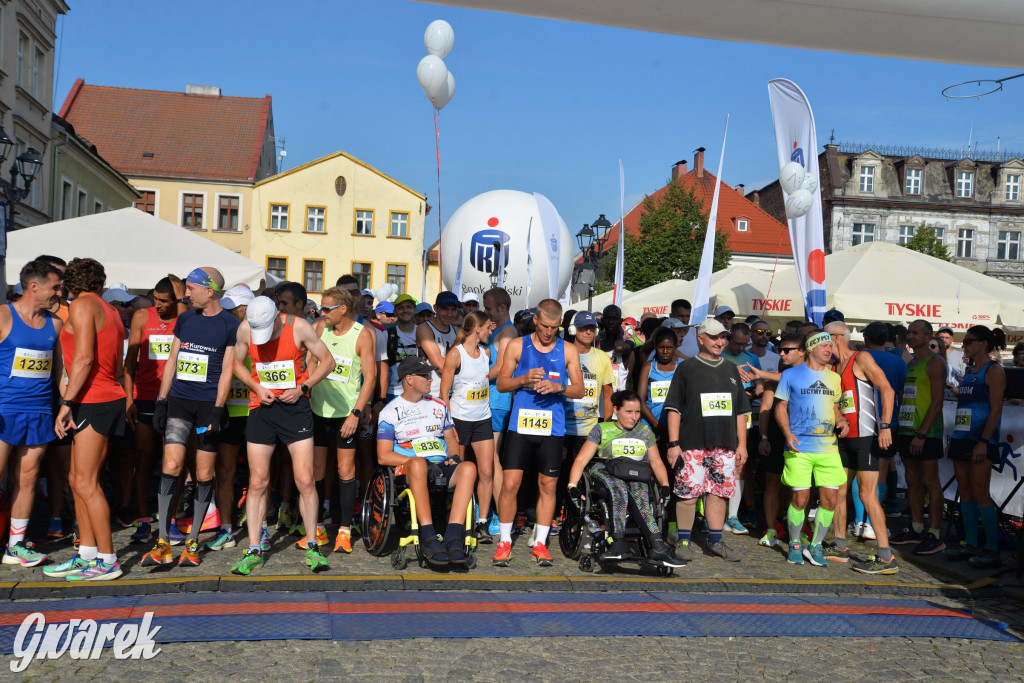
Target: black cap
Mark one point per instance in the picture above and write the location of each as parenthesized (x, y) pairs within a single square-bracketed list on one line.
[(876, 333), (414, 365)]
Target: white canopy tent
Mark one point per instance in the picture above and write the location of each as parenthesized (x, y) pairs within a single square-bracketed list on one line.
[(134, 247)]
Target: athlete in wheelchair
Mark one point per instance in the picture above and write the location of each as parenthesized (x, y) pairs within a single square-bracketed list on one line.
[(416, 446), (616, 507)]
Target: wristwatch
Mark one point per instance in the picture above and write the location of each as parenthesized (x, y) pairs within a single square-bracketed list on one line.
[(358, 413), (304, 388), (65, 402), (884, 425), (920, 435), (673, 444)]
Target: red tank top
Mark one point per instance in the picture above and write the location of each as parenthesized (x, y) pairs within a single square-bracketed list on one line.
[(101, 385), (277, 365), (857, 403), (154, 348)]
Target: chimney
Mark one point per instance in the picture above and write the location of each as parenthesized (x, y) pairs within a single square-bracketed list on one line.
[(204, 90), (679, 170), (755, 197), (698, 162), (739, 188)]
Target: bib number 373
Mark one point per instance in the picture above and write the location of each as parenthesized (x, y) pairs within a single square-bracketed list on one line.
[(191, 367)]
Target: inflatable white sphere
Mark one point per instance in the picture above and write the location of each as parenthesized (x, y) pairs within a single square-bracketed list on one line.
[(791, 177), (810, 183), (504, 216), (799, 203), (439, 38), (432, 75)]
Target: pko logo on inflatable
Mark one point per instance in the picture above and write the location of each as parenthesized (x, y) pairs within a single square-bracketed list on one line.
[(482, 252)]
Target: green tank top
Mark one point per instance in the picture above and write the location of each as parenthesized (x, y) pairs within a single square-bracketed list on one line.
[(615, 442), (336, 395), (917, 398)]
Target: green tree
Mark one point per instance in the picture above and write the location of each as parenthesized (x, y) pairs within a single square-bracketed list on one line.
[(669, 243), (927, 242)]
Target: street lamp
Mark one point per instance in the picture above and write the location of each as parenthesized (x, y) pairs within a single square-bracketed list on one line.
[(26, 165), (591, 240)]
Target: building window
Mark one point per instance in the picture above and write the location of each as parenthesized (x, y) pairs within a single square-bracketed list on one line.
[(396, 276), (364, 222), (192, 210), (939, 232), (279, 217), (913, 185), (1013, 188), (863, 232), (313, 275), (278, 267), (315, 217), (906, 233), (741, 225), (37, 68), (66, 190), (83, 202), (399, 224), (1009, 245), (147, 202), (965, 243), (227, 212), (97, 206), (867, 178), (964, 184), (22, 44), (363, 272)]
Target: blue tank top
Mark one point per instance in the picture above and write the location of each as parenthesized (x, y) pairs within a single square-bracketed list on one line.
[(499, 400), (26, 364), (536, 414), (973, 407), (657, 389)]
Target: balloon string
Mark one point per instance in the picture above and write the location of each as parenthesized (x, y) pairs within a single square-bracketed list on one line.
[(768, 294), (437, 152)]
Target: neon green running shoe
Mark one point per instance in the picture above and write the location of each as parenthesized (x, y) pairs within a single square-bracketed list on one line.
[(252, 560), (315, 559)]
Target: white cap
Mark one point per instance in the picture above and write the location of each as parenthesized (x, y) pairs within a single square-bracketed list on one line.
[(239, 295), (470, 296), (261, 314), (369, 293), (117, 293), (722, 310)]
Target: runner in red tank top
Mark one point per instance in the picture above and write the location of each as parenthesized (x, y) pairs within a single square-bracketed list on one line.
[(93, 409)]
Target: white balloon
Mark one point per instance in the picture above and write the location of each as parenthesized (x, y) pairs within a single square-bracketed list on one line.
[(439, 38), (799, 203), (442, 100), (433, 76), (810, 183), (451, 86), (791, 177)]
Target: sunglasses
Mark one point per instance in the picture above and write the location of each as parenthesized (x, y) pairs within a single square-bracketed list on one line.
[(787, 350), (762, 332), (967, 341), (328, 309)]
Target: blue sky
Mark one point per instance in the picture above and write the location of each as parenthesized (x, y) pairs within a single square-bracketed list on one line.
[(540, 105)]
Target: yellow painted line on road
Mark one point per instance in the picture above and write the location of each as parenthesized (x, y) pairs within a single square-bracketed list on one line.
[(312, 577), (128, 582), (489, 579), (814, 582)]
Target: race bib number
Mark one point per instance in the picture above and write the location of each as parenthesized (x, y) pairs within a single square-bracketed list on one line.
[(160, 346), (659, 391), (629, 448), (962, 421), (31, 363), (276, 375), (478, 391), (906, 416), (534, 422), (589, 391), (910, 392), (431, 449), (191, 367), (750, 419), (238, 394), (716, 405), (342, 370), (846, 404)]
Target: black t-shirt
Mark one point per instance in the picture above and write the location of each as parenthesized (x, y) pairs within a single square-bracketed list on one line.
[(708, 397), (204, 342)]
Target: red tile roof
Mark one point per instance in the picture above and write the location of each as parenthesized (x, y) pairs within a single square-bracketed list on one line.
[(764, 235), (200, 137)]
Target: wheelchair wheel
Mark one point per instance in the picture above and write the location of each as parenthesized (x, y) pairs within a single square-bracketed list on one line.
[(573, 534), (398, 559), (587, 563), (665, 571), (471, 558), (378, 517)]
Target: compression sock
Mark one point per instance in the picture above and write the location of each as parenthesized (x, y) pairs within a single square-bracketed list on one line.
[(347, 492), (990, 524), (795, 521), (201, 502), (840, 543), (320, 489), (858, 504), (165, 502), (970, 512), (734, 501), (822, 521), (18, 527)]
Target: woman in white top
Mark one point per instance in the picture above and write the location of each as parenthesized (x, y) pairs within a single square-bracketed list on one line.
[(464, 389)]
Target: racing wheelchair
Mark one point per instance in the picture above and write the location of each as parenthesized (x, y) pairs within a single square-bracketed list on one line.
[(586, 534), (390, 524)]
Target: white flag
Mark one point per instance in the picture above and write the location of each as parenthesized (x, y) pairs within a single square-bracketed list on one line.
[(702, 291), (529, 263), (796, 140), (551, 229), (423, 296), (457, 285), (620, 256)]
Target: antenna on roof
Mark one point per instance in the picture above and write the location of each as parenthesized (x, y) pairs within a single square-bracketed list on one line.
[(279, 150)]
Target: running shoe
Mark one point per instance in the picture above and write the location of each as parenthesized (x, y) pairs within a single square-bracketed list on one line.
[(285, 519), (750, 519), (210, 522), (96, 571), (770, 539), (685, 551), (619, 550), (907, 537), (854, 529), (796, 553), (190, 555), (56, 528), (251, 561), (160, 554), (867, 532), (930, 545), (483, 533), (985, 559), (223, 539), (264, 540), (959, 551), (72, 566), (493, 525), (21, 553), (875, 565), (315, 559), (343, 541), (834, 554), (555, 526), (519, 525), (141, 534), (175, 537), (503, 554), (297, 529), (541, 555), (662, 554), (734, 525), (724, 551), (814, 554), (322, 538)]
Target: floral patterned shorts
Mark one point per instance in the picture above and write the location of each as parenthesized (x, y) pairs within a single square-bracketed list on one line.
[(706, 471)]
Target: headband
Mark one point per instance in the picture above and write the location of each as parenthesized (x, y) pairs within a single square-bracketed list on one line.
[(200, 277), (819, 338)]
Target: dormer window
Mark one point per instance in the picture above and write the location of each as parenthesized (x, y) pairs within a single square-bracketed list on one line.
[(1013, 187), (965, 184), (742, 224), (913, 182), (867, 179)]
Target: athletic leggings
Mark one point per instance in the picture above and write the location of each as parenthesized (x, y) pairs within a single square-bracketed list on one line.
[(628, 497)]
